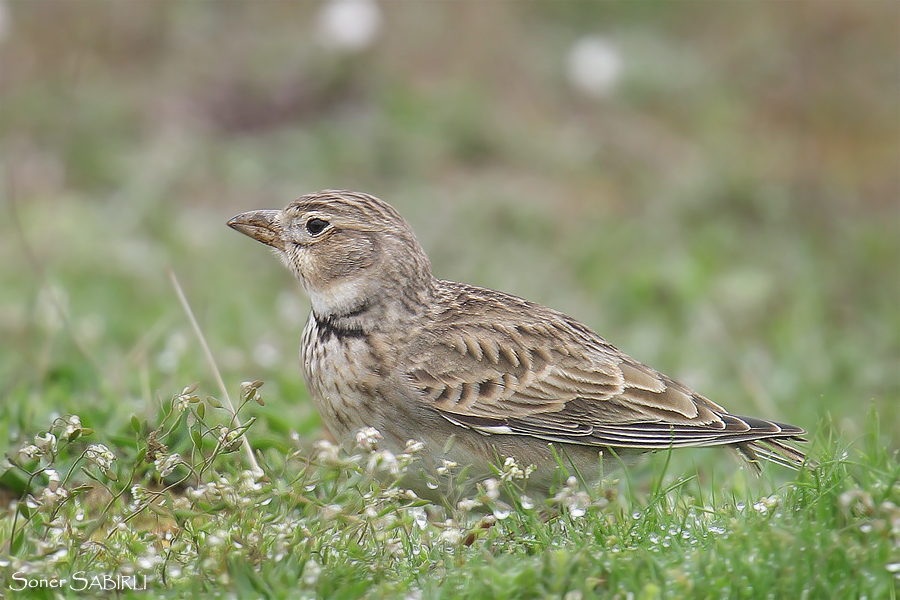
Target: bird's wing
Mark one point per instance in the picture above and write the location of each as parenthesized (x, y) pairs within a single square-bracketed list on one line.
[(549, 377)]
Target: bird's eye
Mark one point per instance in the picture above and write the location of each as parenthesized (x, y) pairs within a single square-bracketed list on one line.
[(315, 226)]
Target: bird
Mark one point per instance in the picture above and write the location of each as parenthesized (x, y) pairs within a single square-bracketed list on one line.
[(473, 374)]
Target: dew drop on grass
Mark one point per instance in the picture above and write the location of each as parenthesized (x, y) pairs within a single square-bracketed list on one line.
[(501, 512), (421, 520)]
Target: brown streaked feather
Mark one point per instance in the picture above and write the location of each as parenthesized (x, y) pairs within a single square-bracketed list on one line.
[(555, 380)]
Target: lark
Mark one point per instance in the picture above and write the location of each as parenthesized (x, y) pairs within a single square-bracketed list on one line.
[(474, 374)]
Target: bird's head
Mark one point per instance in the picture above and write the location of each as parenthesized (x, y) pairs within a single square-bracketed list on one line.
[(348, 249)]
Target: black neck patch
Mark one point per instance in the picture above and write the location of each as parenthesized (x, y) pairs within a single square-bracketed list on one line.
[(337, 326)]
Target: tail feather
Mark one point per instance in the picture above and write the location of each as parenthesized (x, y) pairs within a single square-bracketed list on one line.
[(774, 450)]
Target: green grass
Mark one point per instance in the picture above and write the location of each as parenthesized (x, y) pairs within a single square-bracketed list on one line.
[(729, 215), (173, 504)]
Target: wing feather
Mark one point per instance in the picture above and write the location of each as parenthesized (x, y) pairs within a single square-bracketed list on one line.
[(552, 378)]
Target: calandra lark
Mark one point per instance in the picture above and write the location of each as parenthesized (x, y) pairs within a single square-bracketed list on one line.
[(474, 374)]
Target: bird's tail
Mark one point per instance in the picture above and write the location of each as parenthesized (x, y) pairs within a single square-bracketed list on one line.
[(773, 450)]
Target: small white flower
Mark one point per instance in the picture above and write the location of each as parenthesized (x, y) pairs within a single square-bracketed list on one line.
[(138, 492), (511, 470), (349, 25), (30, 451), (419, 517), (52, 496), (53, 478), (413, 447), (326, 452), (491, 488), (594, 66), (100, 455), (367, 438), (383, 460), (165, 465), (468, 504), (445, 467), (182, 401), (250, 391), (73, 426), (46, 443), (451, 535)]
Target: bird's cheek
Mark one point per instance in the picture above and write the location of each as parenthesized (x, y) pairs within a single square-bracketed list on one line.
[(299, 264)]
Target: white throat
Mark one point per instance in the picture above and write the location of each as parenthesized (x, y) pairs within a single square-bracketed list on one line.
[(341, 298)]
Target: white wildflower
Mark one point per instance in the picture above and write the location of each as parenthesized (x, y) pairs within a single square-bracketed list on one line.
[(491, 488), (138, 492), (182, 401), (594, 66), (451, 535), (349, 25), (419, 517), (52, 496), (53, 479), (468, 504), (30, 451), (367, 438), (445, 467), (413, 447), (326, 451), (166, 464), (73, 427), (383, 460), (229, 439), (46, 443), (250, 391), (100, 455), (511, 470)]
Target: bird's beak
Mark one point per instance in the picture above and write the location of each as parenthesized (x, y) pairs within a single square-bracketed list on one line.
[(262, 225)]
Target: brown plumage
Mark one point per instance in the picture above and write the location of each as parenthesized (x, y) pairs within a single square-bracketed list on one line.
[(389, 346)]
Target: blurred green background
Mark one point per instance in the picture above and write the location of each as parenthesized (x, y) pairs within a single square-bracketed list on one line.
[(714, 187)]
